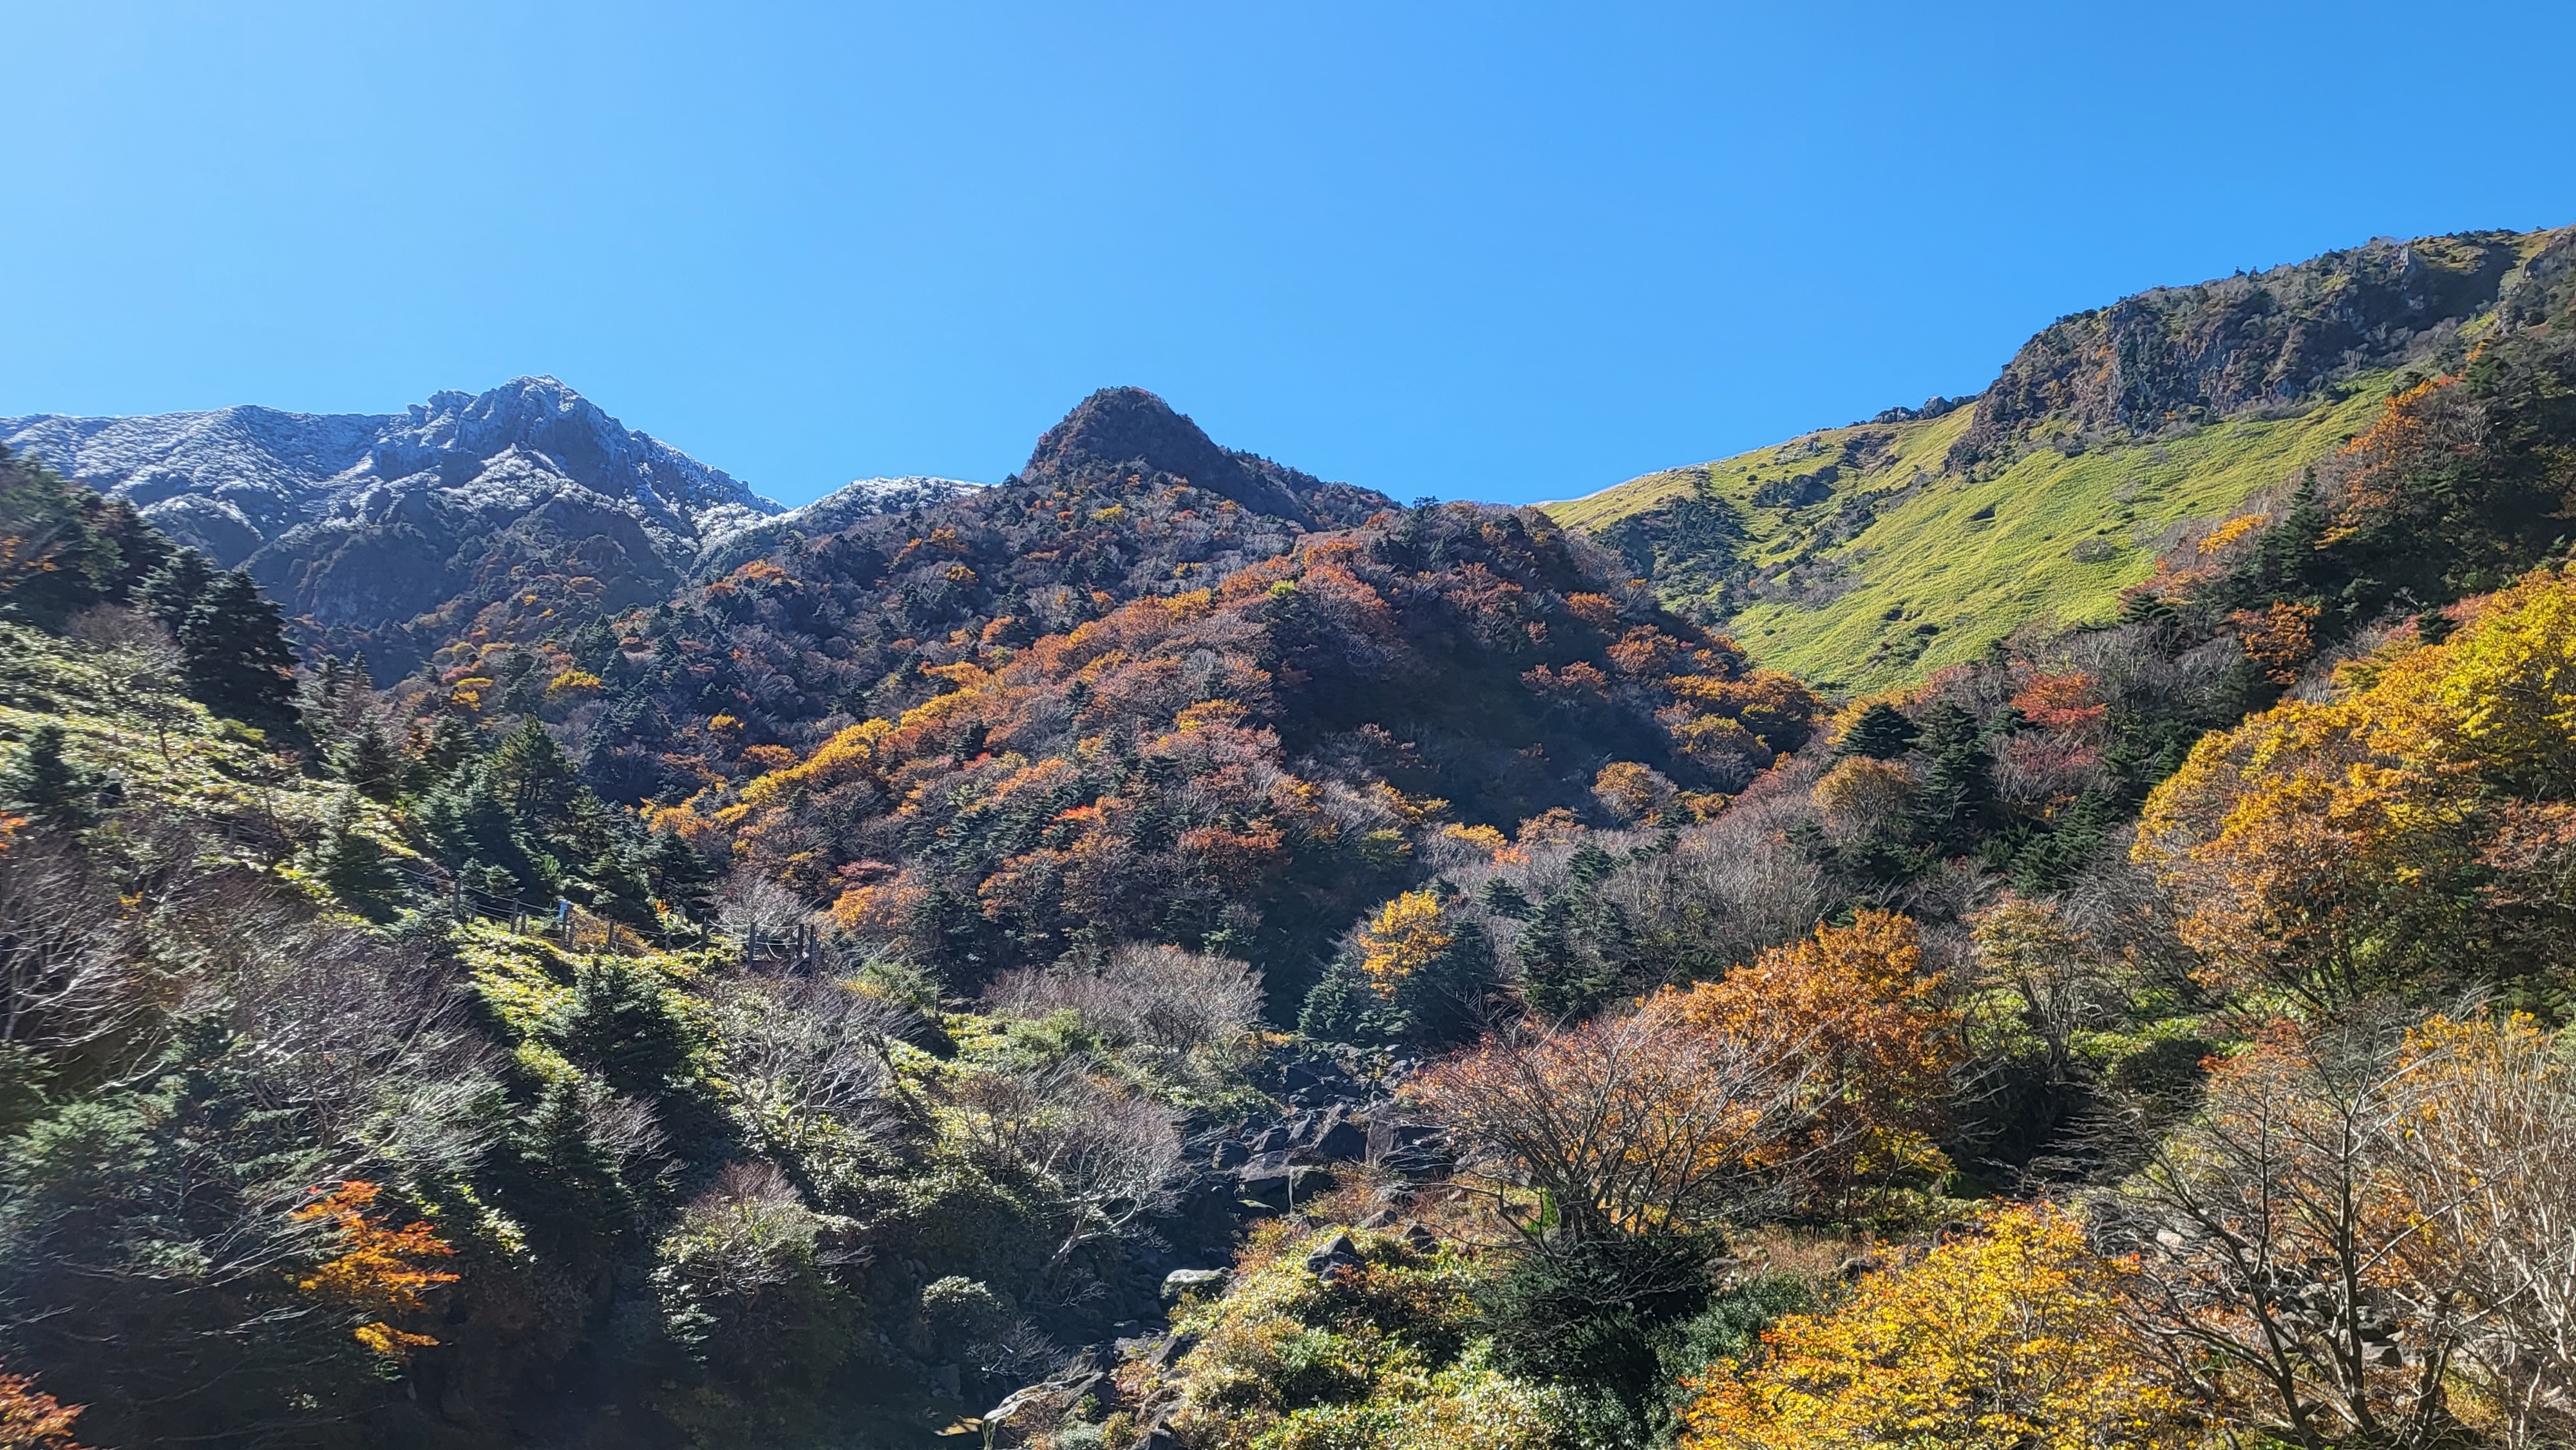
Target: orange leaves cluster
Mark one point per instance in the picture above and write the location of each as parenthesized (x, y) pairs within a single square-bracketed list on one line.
[(2280, 638), (1635, 1123), (2007, 1340), (30, 1419), (381, 1272), (2061, 702), (1814, 1070), (2428, 424), (1875, 1044)]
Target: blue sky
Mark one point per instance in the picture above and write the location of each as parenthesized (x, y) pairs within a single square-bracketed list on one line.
[(1491, 251)]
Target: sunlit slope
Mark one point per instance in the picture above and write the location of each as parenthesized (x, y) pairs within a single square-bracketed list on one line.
[(1896, 567)]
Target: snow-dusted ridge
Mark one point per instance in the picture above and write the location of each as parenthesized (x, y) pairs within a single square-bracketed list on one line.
[(236, 480)]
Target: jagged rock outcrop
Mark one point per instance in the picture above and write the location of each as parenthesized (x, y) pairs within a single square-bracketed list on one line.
[(2181, 356)]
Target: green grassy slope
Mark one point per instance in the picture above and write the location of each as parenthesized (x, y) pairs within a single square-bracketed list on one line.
[(1901, 568), (1869, 556)]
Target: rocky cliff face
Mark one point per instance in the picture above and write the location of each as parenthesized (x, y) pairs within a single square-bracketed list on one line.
[(2178, 357)]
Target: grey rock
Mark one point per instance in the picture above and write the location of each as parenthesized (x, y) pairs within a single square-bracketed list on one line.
[(1182, 1281), (1335, 1255)]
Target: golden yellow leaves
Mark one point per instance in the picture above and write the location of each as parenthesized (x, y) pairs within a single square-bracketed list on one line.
[(2009, 1340)]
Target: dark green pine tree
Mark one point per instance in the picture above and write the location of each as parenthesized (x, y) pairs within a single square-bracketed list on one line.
[(367, 760), (54, 562), (1340, 1007), (354, 865), (1957, 802), (1881, 733), (450, 742), (620, 890), (680, 876), (45, 782), (532, 774), (471, 828), (233, 649), (170, 591), (1559, 979)]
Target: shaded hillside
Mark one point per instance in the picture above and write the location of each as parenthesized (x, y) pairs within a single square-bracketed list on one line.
[(1869, 555)]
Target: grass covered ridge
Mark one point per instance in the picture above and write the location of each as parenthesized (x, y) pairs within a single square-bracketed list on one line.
[(1893, 566)]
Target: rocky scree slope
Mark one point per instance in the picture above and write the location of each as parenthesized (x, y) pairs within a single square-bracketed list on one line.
[(1867, 556)]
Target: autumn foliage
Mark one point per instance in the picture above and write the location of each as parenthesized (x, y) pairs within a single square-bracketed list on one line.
[(2009, 1339), (30, 1419), (2412, 825), (380, 1273)]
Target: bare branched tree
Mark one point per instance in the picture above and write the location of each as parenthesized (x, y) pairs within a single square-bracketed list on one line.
[(65, 947), (1110, 1156), (753, 903), (1160, 997), (807, 1050), (2280, 1281), (2484, 1148), (1627, 1124)]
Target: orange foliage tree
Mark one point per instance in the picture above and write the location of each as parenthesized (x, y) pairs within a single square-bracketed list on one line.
[(1875, 1043), (1635, 1123), (1819, 1066), (30, 1419), (380, 1273)]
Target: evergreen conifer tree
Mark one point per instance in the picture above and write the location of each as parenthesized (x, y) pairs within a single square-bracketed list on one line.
[(367, 760), (1881, 733), (171, 590), (45, 782), (679, 875), (1958, 797), (354, 865), (233, 650)]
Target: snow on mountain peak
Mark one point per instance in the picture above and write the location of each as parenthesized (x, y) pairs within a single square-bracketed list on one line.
[(236, 480)]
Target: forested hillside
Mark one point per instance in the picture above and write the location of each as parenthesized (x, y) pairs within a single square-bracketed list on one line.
[(1168, 952)]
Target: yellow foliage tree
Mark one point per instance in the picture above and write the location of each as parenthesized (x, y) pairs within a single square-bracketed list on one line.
[(2328, 849), (1408, 934), (2010, 1340)]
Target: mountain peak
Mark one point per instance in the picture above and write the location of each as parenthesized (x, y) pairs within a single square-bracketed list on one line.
[(1129, 427)]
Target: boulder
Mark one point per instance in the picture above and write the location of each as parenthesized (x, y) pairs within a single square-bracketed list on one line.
[(1183, 1281)]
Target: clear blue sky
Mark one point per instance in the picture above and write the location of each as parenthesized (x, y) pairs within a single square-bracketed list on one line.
[(1489, 251)]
